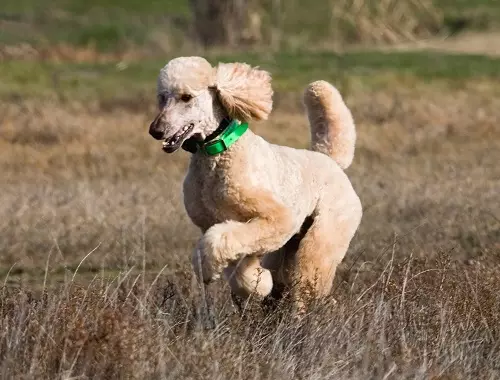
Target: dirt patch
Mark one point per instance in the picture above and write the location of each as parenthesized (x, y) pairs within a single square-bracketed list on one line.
[(487, 43), (68, 53)]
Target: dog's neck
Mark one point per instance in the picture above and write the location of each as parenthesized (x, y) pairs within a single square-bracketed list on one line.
[(232, 157), (220, 120)]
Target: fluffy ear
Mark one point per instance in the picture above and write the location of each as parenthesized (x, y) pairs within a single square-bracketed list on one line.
[(244, 91)]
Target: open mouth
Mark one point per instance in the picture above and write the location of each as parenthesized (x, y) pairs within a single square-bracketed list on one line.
[(173, 143)]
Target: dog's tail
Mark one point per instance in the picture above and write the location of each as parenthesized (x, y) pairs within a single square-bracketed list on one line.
[(332, 126)]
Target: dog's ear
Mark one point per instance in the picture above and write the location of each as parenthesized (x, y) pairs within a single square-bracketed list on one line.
[(244, 91)]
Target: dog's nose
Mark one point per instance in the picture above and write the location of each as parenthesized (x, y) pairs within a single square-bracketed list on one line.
[(157, 127), (158, 135)]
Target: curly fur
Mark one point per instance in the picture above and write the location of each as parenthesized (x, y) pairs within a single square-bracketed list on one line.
[(271, 216), (186, 75)]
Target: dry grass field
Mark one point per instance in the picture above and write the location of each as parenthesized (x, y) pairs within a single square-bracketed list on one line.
[(95, 243), (96, 248)]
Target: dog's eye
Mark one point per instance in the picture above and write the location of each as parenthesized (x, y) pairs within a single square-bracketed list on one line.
[(186, 98)]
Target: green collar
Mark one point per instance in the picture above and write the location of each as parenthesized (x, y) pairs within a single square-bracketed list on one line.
[(221, 143)]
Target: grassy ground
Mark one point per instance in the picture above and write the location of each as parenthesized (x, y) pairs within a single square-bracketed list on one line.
[(291, 70), (96, 243)]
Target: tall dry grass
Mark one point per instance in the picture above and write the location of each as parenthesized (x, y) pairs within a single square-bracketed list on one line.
[(385, 21), (274, 23), (418, 318), (95, 250)]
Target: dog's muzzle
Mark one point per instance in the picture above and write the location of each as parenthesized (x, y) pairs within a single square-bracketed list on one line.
[(157, 127)]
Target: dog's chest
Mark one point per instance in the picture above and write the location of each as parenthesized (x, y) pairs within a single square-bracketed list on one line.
[(212, 198)]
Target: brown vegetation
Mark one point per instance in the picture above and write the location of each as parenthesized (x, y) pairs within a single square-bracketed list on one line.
[(385, 21), (86, 190)]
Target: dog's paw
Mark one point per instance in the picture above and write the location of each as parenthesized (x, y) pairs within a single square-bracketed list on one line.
[(206, 260)]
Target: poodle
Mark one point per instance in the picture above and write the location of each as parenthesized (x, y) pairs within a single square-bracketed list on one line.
[(272, 217)]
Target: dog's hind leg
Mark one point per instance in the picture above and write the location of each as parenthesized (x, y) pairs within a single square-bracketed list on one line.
[(322, 249)]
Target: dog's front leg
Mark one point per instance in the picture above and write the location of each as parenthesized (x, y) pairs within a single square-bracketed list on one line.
[(203, 264), (228, 242)]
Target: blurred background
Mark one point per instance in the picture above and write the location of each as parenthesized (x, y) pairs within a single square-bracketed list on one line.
[(132, 28), (86, 193)]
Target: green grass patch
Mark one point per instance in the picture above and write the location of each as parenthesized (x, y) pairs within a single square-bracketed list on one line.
[(470, 14), (106, 36), (109, 25), (291, 72), (83, 7)]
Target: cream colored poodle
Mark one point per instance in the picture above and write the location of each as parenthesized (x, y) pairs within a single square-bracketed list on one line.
[(270, 215)]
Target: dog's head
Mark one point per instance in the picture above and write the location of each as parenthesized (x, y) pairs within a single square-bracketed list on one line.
[(193, 97)]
